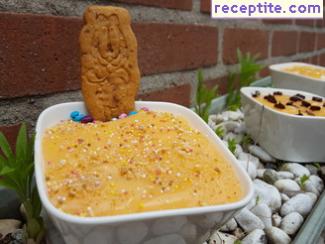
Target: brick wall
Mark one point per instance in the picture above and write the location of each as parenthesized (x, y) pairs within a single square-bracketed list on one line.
[(39, 51)]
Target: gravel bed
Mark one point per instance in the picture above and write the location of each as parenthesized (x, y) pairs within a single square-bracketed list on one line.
[(285, 192)]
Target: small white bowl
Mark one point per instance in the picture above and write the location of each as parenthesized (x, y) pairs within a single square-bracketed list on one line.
[(179, 226), (284, 79), (285, 136)]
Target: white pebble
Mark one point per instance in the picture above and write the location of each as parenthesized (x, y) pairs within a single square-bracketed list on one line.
[(285, 175), (291, 223), (260, 153), (255, 237), (277, 236), (297, 169), (231, 225), (284, 197), (276, 220), (287, 185), (248, 221), (221, 238), (267, 194), (250, 168), (301, 203), (260, 173), (264, 213)]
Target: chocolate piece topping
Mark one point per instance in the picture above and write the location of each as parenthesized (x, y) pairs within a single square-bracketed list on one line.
[(277, 93), (295, 98), (256, 94), (305, 103), (280, 106), (289, 103), (315, 108), (270, 98), (317, 99), (301, 96)]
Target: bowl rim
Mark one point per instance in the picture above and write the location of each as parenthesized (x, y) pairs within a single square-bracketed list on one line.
[(134, 216), (246, 91), (279, 68)]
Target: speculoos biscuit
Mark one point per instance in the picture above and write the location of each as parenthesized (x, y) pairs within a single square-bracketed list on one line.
[(109, 67)]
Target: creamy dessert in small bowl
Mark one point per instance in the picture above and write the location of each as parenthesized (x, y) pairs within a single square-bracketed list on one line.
[(100, 181), (299, 76), (289, 124)]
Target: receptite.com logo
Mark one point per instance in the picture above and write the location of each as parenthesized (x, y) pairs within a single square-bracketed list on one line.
[(267, 9)]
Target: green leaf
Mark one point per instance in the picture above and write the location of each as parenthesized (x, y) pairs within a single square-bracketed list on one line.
[(36, 202), (317, 165), (17, 174), (4, 146), (7, 182), (204, 97), (302, 181), (232, 145), (220, 132), (237, 242), (244, 77), (21, 144), (6, 170)]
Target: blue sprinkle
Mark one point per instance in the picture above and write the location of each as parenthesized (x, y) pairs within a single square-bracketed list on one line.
[(74, 114), (78, 118), (133, 113)]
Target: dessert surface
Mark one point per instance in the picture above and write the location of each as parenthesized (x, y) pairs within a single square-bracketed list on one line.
[(296, 105), (308, 71), (147, 161)]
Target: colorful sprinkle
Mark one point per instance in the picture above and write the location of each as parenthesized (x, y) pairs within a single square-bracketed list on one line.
[(145, 109), (87, 119), (78, 118), (122, 116), (74, 114), (133, 113)]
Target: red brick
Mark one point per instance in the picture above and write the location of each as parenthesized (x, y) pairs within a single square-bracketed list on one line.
[(320, 40), (284, 43), (175, 4), (252, 41), (314, 60), (10, 133), (221, 82), (205, 6), (321, 59), (39, 54), (306, 22), (170, 47), (278, 21), (307, 42), (320, 23), (179, 94)]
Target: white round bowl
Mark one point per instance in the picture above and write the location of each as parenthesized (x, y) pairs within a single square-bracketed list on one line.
[(284, 79), (285, 136), (179, 226)]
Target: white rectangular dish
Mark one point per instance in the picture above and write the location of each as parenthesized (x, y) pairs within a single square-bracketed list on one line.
[(285, 136), (284, 79), (178, 226)]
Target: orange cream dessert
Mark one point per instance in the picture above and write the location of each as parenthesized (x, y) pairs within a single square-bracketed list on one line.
[(308, 71), (147, 161), (297, 104)]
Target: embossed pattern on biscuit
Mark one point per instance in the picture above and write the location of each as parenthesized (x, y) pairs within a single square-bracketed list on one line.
[(109, 67)]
